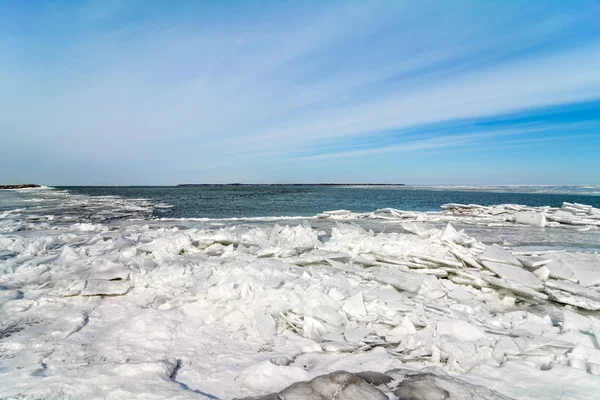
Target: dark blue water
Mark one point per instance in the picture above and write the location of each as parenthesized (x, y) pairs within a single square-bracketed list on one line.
[(261, 201)]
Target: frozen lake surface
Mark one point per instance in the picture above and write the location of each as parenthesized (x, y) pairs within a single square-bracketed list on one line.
[(457, 293)]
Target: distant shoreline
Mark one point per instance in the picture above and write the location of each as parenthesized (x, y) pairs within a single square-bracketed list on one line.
[(22, 186), (290, 184)]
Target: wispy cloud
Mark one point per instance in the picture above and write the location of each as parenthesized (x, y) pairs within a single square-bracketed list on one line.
[(156, 90)]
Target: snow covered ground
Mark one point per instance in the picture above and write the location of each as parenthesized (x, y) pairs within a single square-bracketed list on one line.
[(117, 305)]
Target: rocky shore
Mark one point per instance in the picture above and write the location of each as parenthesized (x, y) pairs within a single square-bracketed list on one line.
[(23, 186)]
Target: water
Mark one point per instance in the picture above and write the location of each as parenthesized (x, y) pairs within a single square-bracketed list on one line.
[(263, 201)]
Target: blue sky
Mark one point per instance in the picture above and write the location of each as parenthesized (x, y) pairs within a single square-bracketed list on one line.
[(419, 92)]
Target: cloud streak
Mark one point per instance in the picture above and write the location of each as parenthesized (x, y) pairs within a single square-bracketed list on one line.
[(213, 92)]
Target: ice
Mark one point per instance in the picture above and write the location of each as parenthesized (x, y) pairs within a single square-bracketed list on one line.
[(429, 386), (530, 218), (354, 306), (576, 322), (402, 281), (213, 309), (459, 329), (574, 289), (268, 377), (564, 297), (560, 270), (110, 271), (497, 254), (97, 287), (514, 274), (533, 262), (517, 380), (340, 385), (450, 234), (542, 273)]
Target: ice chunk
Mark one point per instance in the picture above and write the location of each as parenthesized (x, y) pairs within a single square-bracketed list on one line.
[(312, 328), (440, 273), (560, 270), (451, 235), (567, 298), (460, 329), (357, 334), (504, 348), (97, 287), (327, 314), (576, 322), (295, 344), (513, 286), (515, 274), (518, 380), (408, 282), (497, 254), (68, 256), (439, 260), (530, 218), (339, 385), (337, 212), (585, 266), (268, 377), (533, 262), (267, 326), (466, 258), (339, 347), (586, 354), (355, 306), (110, 272), (574, 288), (430, 386), (542, 273), (405, 328)]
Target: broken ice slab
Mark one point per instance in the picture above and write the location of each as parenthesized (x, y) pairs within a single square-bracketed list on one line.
[(561, 296), (339, 347), (514, 274), (542, 273), (451, 235), (408, 282), (97, 287), (530, 218), (110, 272), (460, 329), (341, 385), (574, 288), (357, 334), (588, 356), (573, 321), (389, 260), (533, 261), (393, 213), (560, 270), (355, 306), (515, 287), (584, 266), (440, 273), (439, 260), (334, 213), (497, 254)]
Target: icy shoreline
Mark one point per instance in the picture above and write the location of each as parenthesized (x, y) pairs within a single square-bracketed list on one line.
[(140, 308)]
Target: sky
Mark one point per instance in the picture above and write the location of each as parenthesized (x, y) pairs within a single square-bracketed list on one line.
[(126, 92)]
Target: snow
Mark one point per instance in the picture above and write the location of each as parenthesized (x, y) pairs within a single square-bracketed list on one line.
[(370, 306)]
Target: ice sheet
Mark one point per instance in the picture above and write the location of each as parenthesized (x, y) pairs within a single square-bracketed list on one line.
[(139, 308)]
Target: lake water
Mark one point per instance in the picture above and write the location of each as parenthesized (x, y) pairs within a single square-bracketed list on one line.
[(262, 201)]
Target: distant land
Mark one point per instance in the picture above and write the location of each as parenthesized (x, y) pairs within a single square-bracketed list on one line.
[(291, 184), (22, 186)]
